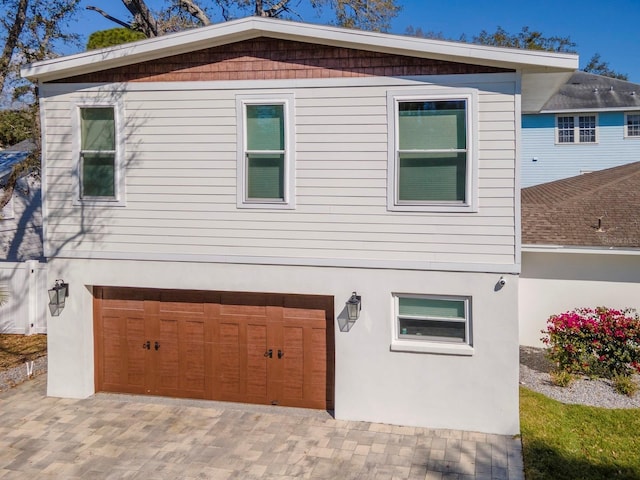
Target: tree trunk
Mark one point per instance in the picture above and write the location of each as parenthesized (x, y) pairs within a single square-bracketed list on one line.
[(195, 11), (13, 35), (143, 17)]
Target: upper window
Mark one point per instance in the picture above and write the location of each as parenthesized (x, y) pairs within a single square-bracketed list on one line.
[(576, 128), (426, 322), (265, 161), (632, 125), (432, 153), (99, 152)]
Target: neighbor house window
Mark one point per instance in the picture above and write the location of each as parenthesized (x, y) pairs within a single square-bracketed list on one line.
[(99, 152), (266, 153), (576, 128), (432, 320), (632, 125), (432, 153)]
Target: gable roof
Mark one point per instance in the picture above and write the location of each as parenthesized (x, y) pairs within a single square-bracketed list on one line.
[(598, 209), (543, 72), (588, 92)]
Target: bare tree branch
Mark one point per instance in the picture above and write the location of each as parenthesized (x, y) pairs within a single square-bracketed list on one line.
[(109, 17), (13, 38), (142, 17), (195, 11)]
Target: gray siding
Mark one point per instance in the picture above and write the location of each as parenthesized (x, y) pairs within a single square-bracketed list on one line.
[(181, 182)]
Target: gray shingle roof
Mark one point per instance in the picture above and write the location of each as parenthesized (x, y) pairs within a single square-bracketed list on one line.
[(586, 91), (598, 209)]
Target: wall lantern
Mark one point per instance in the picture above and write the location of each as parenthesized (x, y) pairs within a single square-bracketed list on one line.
[(354, 305), (57, 296)]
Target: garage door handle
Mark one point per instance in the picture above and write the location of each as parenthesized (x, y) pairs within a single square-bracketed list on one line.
[(147, 345), (157, 345), (280, 354), (269, 353)]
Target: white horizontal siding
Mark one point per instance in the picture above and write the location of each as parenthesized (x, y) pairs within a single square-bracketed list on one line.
[(181, 183)]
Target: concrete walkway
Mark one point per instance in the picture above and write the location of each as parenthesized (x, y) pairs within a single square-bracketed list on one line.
[(133, 437)]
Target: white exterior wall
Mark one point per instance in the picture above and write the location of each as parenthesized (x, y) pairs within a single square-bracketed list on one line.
[(372, 383), (180, 228), (181, 179), (556, 282)]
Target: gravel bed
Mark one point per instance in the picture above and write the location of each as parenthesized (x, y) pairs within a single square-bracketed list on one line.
[(15, 376), (534, 374)]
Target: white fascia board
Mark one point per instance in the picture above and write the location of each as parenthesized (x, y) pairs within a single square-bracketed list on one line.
[(630, 108), (252, 27), (580, 250)]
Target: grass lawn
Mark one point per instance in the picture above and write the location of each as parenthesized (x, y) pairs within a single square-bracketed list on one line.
[(576, 442), (16, 349)]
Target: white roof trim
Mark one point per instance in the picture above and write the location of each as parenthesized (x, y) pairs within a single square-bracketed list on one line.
[(252, 27), (580, 250), (630, 108)]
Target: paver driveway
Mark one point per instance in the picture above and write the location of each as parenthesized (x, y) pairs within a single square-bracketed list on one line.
[(134, 437)]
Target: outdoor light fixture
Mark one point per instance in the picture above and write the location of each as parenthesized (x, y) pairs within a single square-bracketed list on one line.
[(57, 296), (354, 305)]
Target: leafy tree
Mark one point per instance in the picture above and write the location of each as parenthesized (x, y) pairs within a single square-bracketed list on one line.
[(178, 14), (599, 67), (15, 126), (114, 36), (526, 39), (29, 31)]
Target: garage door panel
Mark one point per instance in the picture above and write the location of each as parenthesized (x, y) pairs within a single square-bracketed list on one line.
[(193, 358), (213, 345)]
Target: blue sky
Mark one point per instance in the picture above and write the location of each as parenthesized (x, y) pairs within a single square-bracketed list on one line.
[(610, 28)]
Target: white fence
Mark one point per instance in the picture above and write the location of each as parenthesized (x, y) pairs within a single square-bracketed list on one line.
[(25, 309)]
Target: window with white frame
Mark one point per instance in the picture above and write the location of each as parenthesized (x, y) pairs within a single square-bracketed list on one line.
[(576, 128), (265, 161), (432, 151), (99, 152), (632, 125), (427, 318)]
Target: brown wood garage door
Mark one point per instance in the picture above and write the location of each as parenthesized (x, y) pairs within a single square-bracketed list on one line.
[(241, 347)]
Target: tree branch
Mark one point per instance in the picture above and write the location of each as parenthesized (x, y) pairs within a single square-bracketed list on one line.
[(143, 18), (13, 37), (195, 11), (109, 17)]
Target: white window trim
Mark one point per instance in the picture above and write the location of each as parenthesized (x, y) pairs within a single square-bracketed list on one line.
[(626, 129), (287, 100), (470, 96), (576, 128), (431, 346), (119, 181)]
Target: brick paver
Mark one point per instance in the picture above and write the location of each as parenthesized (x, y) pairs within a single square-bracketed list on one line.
[(134, 437)]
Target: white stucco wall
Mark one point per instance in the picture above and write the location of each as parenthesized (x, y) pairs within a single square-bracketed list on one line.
[(554, 282), (477, 392)]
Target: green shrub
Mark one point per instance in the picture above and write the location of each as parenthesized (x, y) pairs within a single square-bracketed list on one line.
[(625, 385), (561, 378), (111, 37), (600, 342)]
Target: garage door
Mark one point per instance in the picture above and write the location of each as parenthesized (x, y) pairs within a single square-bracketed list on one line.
[(241, 347)]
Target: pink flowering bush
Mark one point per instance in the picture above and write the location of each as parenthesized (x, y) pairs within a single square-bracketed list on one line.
[(597, 342)]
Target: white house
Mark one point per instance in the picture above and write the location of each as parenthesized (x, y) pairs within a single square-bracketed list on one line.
[(213, 198), (581, 246)]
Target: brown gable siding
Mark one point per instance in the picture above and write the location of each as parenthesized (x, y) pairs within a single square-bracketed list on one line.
[(272, 59)]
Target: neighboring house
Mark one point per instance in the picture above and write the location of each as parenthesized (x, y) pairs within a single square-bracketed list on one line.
[(22, 275), (592, 123), (580, 246), (213, 198)]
